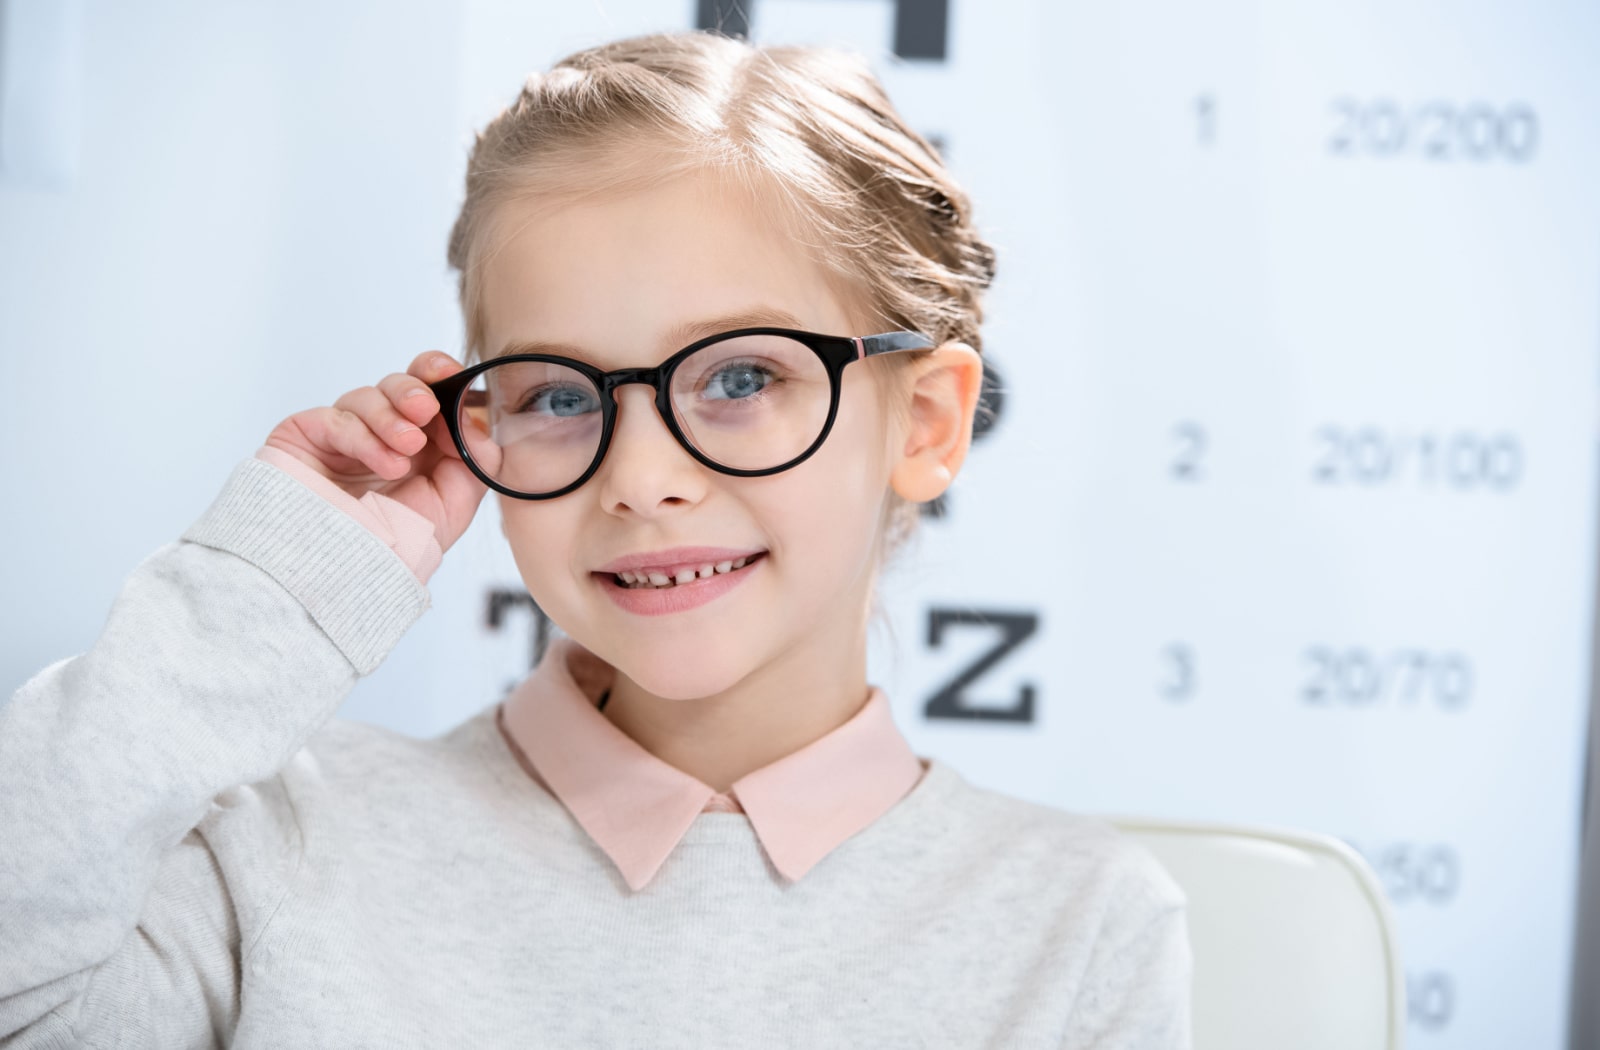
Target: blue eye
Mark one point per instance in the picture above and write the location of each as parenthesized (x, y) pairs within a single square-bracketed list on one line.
[(738, 381), (561, 400)]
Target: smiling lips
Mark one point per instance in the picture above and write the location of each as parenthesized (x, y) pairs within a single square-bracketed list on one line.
[(676, 580), (661, 578), (675, 561)]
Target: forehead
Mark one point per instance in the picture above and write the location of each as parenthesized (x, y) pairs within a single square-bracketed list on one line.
[(621, 281)]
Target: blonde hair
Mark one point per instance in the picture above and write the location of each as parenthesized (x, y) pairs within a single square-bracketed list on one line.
[(808, 131)]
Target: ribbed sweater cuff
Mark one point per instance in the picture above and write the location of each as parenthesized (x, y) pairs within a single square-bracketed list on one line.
[(355, 587)]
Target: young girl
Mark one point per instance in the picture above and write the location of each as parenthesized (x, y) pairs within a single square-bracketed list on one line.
[(722, 319)]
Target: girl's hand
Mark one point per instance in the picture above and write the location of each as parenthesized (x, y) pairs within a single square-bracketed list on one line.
[(392, 439)]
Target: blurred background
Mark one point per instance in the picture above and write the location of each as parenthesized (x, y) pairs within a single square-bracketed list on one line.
[(1288, 515)]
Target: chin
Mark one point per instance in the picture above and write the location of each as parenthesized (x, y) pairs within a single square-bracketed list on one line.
[(676, 672), (661, 678)]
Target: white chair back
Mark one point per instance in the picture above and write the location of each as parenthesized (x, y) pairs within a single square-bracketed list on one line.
[(1293, 942)]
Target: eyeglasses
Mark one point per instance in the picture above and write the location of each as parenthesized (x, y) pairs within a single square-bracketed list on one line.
[(750, 402)]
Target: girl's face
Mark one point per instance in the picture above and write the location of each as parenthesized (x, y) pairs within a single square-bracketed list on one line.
[(615, 282)]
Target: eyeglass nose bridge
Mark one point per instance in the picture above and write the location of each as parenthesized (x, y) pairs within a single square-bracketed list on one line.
[(655, 378), (623, 376)]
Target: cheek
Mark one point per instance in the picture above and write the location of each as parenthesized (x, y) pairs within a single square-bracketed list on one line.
[(540, 536), (831, 505), (858, 451)]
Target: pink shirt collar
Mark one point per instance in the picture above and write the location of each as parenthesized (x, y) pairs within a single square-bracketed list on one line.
[(637, 807)]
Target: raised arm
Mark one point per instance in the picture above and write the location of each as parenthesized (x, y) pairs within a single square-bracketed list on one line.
[(120, 915)]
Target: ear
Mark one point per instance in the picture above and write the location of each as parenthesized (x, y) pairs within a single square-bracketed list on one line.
[(944, 398)]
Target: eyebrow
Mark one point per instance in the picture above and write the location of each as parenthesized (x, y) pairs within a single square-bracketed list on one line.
[(682, 335)]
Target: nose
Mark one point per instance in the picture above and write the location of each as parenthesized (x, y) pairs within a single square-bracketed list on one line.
[(646, 472)]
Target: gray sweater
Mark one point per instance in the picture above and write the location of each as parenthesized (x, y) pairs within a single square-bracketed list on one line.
[(195, 852)]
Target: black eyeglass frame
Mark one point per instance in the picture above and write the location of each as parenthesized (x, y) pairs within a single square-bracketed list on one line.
[(834, 351)]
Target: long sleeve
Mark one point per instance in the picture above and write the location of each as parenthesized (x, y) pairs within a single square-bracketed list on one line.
[(408, 534), (121, 767), (1137, 988)]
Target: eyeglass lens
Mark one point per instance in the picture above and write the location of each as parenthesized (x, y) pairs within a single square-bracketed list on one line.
[(751, 402)]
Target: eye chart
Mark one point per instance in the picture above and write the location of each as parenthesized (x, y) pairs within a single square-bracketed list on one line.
[(1288, 515)]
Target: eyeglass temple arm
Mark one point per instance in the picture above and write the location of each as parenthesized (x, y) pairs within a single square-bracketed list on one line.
[(867, 346)]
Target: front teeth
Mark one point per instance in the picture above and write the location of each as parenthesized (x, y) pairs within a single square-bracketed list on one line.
[(661, 579)]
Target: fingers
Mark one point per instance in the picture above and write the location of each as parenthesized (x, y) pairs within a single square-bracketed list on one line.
[(432, 366), (415, 390), (410, 398), (371, 409), (383, 426), (344, 431), (380, 428)]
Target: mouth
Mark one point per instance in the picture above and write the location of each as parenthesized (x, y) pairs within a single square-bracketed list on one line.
[(667, 577)]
